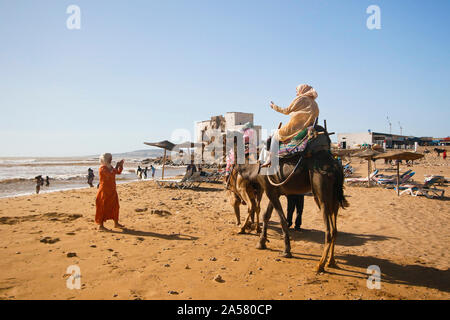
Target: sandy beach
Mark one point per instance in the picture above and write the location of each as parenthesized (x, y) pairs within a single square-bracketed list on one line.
[(178, 241), (227, 101)]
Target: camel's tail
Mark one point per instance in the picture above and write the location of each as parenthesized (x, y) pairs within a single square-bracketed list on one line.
[(339, 186)]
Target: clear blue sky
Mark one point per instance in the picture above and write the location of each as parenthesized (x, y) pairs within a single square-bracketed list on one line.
[(137, 70)]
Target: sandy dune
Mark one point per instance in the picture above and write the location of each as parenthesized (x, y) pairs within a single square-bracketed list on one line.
[(177, 242)]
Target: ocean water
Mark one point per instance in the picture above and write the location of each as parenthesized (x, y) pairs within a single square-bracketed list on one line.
[(17, 174)]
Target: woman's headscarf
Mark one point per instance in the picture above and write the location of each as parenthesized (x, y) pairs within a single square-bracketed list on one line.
[(105, 159), (305, 90)]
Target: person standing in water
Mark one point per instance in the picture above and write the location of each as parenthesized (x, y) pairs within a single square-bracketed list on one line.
[(145, 172), (90, 177), (153, 171), (47, 181), (39, 183), (107, 201)]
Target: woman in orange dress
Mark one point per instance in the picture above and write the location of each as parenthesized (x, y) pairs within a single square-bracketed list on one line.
[(107, 202)]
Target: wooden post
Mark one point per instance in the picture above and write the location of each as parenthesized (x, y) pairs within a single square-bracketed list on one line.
[(164, 164), (398, 178), (368, 172)]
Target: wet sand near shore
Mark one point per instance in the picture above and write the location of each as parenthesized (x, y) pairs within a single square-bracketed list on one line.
[(178, 241)]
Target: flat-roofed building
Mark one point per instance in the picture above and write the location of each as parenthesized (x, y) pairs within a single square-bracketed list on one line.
[(232, 121), (369, 138)]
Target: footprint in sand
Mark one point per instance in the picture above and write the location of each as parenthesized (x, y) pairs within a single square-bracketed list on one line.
[(161, 212), (49, 240)]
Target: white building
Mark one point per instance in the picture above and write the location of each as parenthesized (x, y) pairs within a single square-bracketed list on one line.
[(354, 140), (350, 140), (233, 121)]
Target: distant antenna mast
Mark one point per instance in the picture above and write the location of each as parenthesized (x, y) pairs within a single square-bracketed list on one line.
[(390, 125), (401, 128)]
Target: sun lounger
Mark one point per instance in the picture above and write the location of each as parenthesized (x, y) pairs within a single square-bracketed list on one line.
[(213, 177), (187, 182), (361, 180), (170, 183), (391, 181), (440, 180), (382, 177), (427, 189)]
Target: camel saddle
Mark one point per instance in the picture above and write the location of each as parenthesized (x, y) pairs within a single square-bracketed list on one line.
[(307, 142)]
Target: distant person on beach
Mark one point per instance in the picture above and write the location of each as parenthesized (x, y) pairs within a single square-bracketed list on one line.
[(295, 201), (39, 183), (139, 172), (90, 177), (145, 172), (444, 155), (153, 171), (47, 181), (107, 202)]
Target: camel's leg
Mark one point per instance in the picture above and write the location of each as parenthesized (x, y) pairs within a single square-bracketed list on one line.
[(321, 189), (258, 196), (235, 202), (331, 261), (245, 225), (287, 243), (251, 212), (250, 209), (258, 210), (326, 248), (248, 223), (266, 217)]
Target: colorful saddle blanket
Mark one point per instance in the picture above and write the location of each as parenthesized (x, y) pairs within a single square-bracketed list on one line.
[(296, 144)]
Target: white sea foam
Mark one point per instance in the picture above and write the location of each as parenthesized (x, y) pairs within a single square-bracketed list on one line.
[(17, 174)]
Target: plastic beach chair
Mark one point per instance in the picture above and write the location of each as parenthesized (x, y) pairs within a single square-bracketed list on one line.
[(391, 181), (360, 180), (188, 181), (426, 189)]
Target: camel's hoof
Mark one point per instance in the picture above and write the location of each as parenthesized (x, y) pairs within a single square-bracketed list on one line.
[(332, 264), (261, 246), (258, 231), (242, 231), (319, 269), (287, 255)]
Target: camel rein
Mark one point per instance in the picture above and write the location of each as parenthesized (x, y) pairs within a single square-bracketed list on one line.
[(288, 178)]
